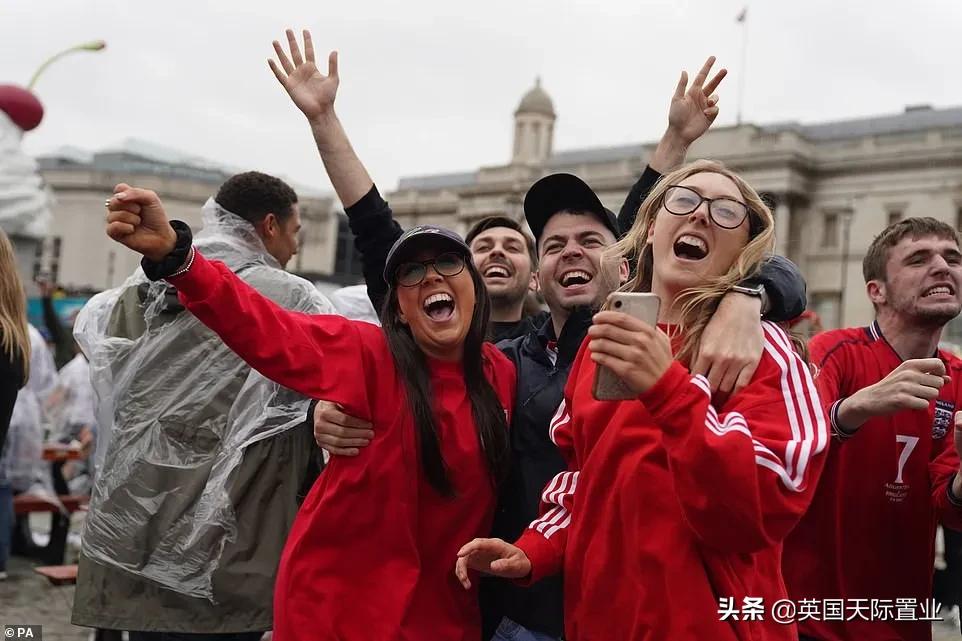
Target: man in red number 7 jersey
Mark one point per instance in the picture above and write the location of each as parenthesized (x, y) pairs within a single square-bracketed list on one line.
[(892, 469)]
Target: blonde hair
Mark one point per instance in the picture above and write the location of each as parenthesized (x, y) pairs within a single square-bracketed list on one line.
[(14, 338), (697, 304)]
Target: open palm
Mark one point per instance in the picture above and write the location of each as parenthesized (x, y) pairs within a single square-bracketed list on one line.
[(309, 89), (693, 109)]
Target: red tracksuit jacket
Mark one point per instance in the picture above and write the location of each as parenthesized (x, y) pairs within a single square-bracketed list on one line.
[(870, 532), (371, 554), (671, 504)]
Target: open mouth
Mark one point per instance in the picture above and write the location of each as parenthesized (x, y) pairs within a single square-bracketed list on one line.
[(689, 247), (496, 271), (575, 278), (439, 307), (939, 290)]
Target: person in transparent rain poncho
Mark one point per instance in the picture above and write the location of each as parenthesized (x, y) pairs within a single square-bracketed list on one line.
[(22, 468), (200, 459)]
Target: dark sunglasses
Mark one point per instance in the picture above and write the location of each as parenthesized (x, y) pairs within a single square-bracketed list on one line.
[(412, 273), (724, 212)]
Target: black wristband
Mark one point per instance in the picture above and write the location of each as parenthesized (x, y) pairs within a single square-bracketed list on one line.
[(157, 270)]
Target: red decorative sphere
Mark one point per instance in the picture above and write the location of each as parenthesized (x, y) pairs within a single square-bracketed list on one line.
[(21, 105)]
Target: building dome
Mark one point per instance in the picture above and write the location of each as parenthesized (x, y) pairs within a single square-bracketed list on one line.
[(536, 101)]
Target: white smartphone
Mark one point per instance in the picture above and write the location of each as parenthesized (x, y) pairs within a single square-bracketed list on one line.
[(640, 305)]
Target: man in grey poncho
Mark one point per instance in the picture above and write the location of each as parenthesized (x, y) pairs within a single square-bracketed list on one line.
[(201, 460)]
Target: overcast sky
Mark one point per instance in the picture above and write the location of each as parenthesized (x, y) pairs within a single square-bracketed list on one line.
[(430, 86)]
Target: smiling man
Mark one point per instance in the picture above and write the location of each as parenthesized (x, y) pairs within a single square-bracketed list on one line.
[(506, 257), (572, 229), (893, 472)]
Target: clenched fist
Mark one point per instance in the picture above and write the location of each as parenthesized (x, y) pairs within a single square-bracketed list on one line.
[(136, 219), (913, 385)]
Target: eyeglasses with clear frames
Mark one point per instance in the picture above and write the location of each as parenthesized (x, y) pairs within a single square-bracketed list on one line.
[(724, 212), (412, 273)]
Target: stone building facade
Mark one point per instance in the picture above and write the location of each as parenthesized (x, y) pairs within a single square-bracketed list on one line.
[(77, 253)]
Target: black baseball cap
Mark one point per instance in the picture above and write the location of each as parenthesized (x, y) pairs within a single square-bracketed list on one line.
[(418, 237), (559, 192)]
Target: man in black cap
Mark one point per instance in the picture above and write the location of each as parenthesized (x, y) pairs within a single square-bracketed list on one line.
[(572, 229)]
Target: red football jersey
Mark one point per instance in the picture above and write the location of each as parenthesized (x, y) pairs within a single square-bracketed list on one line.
[(870, 532)]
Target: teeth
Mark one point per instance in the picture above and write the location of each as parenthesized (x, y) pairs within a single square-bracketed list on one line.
[(938, 290), (694, 241), (575, 274), (437, 298), (496, 271)]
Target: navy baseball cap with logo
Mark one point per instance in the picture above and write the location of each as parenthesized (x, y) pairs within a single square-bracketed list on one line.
[(559, 192), (417, 238)]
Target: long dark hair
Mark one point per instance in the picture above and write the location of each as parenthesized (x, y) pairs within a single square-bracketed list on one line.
[(411, 365)]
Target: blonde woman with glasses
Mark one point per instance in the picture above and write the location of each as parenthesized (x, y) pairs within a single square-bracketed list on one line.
[(671, 517)]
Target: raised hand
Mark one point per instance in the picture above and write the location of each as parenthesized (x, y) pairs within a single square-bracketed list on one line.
[(693, 109), (309, 89), (491, 556), (136, 219)]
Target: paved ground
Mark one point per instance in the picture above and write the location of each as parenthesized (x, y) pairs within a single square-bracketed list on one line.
[(26, 598)]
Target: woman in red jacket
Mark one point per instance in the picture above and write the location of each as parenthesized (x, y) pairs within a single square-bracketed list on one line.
[(369, 555), (678, 501)]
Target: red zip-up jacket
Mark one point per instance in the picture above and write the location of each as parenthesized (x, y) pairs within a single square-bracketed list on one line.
[(869, 536), (370, 556), (671, 504)]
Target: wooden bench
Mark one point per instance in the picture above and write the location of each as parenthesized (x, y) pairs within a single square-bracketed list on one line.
[(58, 574), (25, 504), (28, 503)]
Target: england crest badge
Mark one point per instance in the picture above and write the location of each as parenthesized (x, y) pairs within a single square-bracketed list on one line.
[(942, 419)]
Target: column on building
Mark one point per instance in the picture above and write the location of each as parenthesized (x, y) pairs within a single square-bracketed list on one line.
[(783, 225)]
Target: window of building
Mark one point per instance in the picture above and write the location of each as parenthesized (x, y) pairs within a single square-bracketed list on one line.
[(830, 230), (347, 260), (958, 217), (828, 306), (895, 216), (55, 246), (38, 261)]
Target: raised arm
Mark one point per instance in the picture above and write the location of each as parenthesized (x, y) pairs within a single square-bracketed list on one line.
[(370, 217), (314, 355), (691, 112)]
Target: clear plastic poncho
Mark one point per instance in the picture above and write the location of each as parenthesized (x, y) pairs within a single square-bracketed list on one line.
[(176, 410), (353, 302), (22, 463)]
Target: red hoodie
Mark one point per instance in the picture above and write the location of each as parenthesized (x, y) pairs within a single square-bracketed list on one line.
[(869, 536), (370, 556), (671, 505)]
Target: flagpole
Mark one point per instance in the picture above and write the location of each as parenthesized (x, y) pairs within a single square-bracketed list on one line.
[(742, 70)]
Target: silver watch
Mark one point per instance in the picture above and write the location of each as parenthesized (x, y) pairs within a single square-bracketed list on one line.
[(757, 291)]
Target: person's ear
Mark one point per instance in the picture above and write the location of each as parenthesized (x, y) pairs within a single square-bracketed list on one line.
[(876, 292), (536, 282), (270, 226), (624, 271)]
